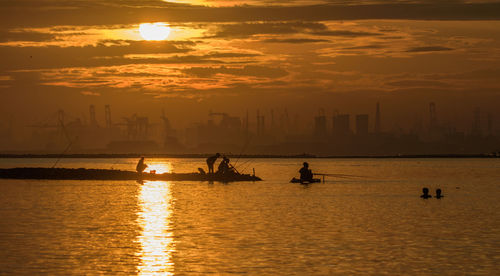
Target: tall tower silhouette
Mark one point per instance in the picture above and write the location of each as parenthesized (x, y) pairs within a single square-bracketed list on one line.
[(93, 121), (107, 115), (246, 125), (476, 125), (490, 124), (377, 119)]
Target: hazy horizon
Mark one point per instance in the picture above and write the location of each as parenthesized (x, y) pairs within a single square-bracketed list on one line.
[(239, 56)]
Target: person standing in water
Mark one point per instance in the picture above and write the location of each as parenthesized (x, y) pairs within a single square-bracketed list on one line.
[(211, 161), (425, 194), (141, 166), (438, 194)]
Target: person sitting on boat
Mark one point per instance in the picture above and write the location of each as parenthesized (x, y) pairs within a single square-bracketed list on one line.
[(305, 173), (224, 166), (141, 166), (425, 194), (211, 161)]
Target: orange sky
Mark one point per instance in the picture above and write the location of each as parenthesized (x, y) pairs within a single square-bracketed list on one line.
[(69, 54)]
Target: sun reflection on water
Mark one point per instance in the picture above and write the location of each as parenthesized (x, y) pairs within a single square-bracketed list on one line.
[(156, 239), (159, 168)]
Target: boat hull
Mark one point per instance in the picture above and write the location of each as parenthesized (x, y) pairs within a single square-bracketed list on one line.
[(296, 180), (102, 174)]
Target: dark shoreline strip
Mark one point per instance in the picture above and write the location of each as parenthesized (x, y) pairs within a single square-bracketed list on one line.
[(104, 174)]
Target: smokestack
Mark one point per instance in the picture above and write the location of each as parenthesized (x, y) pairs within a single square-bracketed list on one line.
[(490, 124), (272, 119), (107, 115), (476, 127), (93, 121), (258, 122)]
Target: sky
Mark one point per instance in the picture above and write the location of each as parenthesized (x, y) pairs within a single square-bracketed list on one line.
[(233, 56)]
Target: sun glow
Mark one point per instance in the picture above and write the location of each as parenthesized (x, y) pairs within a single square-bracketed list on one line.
[(159, 168), (154, 31)]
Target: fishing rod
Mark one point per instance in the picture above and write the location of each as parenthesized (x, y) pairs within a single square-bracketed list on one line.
[(62, 154), (338, 175), (69, 144), (246, 163), (230, 166), (247, 143)]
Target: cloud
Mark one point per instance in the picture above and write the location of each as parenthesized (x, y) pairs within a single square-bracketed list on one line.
[(345, 33), (78, 4), (429, 49), (159, 78), (417, 83), (363, 47), (295, 40), (105, 53), (276, 28), (90, 93), (249, 29), (249, 70), (17, 13), (490, 73), (231, 55), (20, 35)]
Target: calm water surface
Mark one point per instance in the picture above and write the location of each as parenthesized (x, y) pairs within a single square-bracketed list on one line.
[(370, 222)]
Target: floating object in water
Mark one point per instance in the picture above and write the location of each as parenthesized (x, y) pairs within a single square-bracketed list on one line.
[(297, 180), (104, 174)]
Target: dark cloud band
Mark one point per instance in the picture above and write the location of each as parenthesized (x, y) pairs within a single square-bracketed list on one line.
[(39, 15)]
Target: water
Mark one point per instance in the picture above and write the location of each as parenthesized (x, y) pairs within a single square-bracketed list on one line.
[(372, 222)]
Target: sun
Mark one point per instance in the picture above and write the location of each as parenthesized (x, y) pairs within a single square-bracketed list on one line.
[(154, 31)]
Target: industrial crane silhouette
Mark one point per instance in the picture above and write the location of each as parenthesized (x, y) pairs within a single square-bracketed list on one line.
[(227, 121)]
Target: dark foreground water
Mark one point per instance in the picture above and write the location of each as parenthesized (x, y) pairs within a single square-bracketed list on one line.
[(371, 222)]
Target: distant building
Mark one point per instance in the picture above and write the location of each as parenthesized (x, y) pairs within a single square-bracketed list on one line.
[(476, 125), (320, 126), (377, 119), (362, 124), (341, 125)]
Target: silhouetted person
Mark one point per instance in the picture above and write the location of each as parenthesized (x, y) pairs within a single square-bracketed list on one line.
[(425, 194), (141, 166), (223, 166), (211, 161), (305, 173), (438, 193)]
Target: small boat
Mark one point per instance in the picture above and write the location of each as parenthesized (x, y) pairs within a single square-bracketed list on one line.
[(297, 180), (104, 174)]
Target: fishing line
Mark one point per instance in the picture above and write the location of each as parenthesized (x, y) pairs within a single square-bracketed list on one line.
[(247, 143), (69, 145)]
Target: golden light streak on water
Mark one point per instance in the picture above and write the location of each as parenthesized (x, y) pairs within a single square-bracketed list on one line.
[(156, 239)]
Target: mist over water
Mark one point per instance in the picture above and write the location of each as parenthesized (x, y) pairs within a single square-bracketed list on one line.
[(370, 222)]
